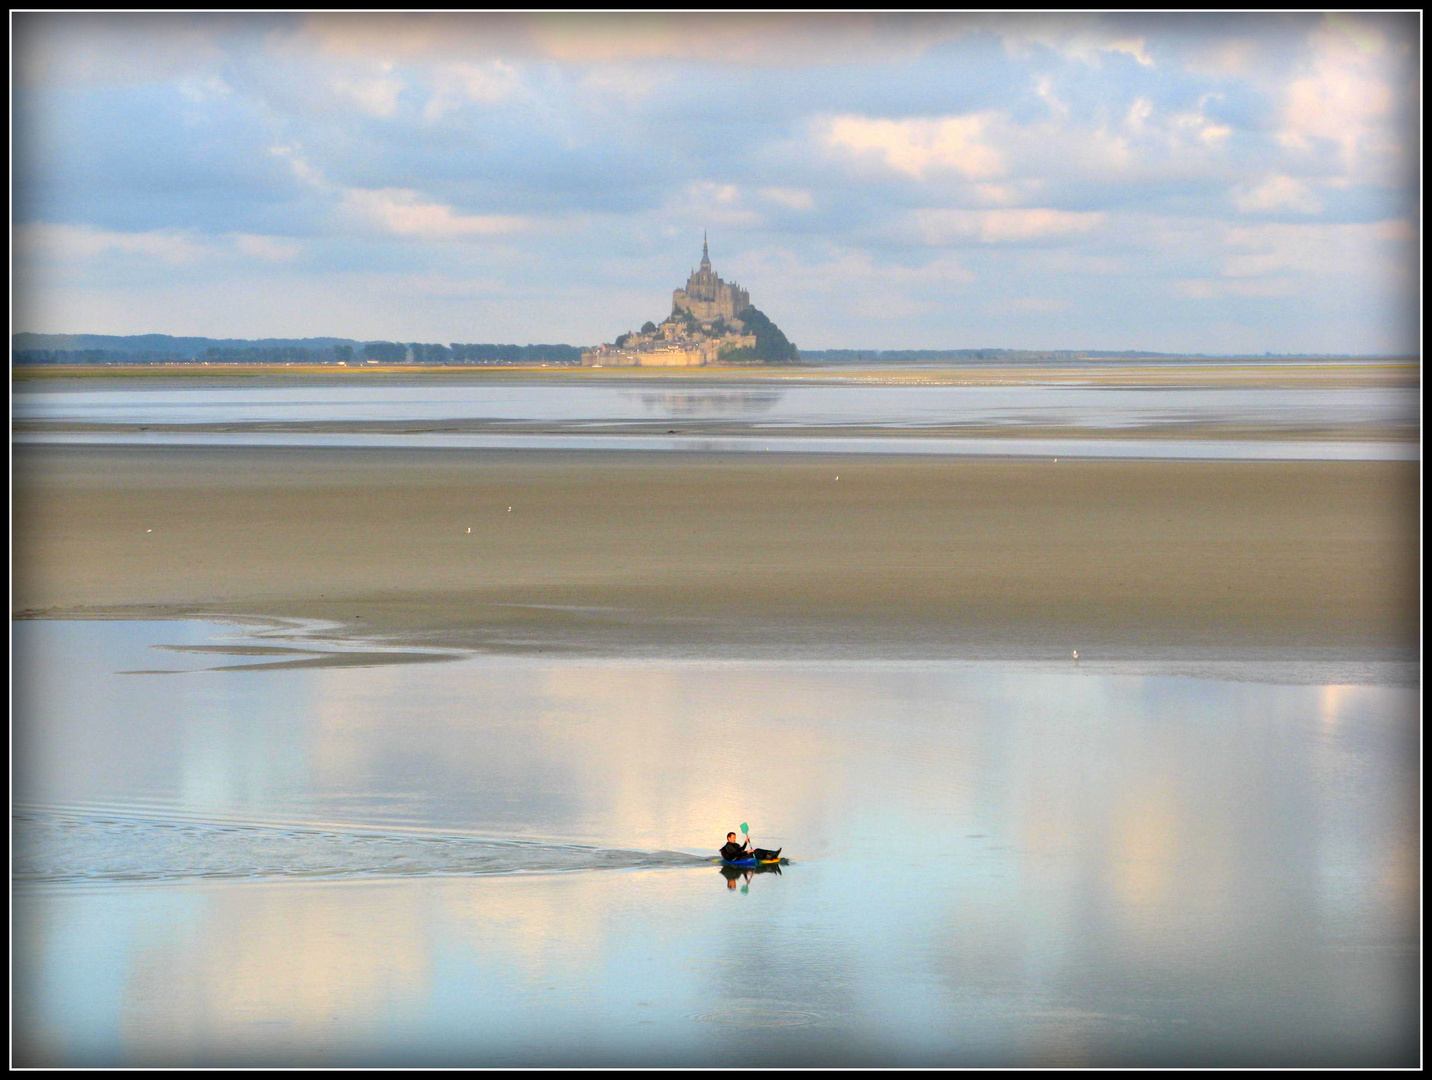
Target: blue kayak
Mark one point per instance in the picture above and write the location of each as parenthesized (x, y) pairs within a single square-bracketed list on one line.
[(761, 858)]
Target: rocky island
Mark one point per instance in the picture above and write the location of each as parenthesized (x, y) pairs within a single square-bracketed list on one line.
[(712, 321)]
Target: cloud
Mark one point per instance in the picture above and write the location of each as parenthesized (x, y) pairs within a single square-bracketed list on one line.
[(70, 49), (1317, 249), (1343, 94), (1036, 305), (300, 165), (1089, 40), (400, 212), (744, 39), (855, 274), (918, 145), (81, 242), (485, 84), (1221, 288), (790, 198), (268, 248), (1103, 157), (714, 203), (941, 226), (376, 95), (1276, 193)]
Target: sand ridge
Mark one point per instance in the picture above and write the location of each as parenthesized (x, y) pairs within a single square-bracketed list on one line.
[(616, 549)]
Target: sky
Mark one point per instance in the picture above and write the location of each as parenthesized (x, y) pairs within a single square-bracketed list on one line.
[(1177, 183)]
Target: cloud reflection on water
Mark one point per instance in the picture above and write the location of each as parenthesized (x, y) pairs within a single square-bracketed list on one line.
[(992, 862)]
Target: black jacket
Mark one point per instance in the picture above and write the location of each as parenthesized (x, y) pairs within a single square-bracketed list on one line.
[(734, 852)]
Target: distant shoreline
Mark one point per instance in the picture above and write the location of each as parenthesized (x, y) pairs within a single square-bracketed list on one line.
[(1300, 372)]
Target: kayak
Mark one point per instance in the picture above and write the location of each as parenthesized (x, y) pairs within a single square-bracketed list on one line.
[(768, 858)]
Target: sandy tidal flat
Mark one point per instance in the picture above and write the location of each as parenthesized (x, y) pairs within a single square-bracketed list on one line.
[(621, 551)]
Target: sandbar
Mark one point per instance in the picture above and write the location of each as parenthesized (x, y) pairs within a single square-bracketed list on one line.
[(620, 552)]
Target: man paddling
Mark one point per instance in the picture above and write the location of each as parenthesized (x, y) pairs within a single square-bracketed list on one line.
[(734, 852)]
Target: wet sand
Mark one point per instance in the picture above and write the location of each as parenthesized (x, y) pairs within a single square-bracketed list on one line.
[(619, 551), (1287, 372)]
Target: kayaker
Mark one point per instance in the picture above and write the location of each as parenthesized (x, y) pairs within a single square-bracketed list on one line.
[(734, 852)]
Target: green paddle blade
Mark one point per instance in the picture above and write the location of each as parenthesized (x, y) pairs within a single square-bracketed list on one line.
[(745, 829)]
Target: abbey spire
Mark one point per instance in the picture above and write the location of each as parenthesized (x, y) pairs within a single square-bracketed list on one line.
[(706, 296)]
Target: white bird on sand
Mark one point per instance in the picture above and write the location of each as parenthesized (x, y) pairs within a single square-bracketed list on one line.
[(1076, 656), (469, 528)]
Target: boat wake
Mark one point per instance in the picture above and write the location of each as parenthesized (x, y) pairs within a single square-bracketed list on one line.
[(88, 846)]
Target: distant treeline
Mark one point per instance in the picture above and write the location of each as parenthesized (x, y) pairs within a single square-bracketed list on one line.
[(772, 346), (160, 349)]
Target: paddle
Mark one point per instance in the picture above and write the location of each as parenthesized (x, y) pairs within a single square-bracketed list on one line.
[(746, 830)]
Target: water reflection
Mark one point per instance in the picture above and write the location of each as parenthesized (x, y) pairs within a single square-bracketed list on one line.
[(710, 404), (998, 863), (741, 875), (791, 406)]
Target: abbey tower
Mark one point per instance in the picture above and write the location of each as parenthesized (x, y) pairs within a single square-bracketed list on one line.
[(707, 297)]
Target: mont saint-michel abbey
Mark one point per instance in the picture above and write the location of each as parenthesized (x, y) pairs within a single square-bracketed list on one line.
[(711, 321), (708, 297)]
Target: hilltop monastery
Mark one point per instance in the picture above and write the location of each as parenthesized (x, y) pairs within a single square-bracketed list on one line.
[(704, 322)]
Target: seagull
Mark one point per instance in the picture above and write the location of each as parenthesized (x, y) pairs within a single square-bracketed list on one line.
[(1076, 656), (469, 528)]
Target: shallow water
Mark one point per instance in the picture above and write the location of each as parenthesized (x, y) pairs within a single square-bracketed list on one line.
[(1157, 449), (597, 405), (492, 860)]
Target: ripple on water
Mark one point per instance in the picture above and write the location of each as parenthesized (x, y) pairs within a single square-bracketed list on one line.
[(79, 846), (759, 1013)]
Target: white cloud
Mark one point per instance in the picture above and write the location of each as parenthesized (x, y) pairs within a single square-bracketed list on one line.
[(1134, 47), (1023, 305), (1224, 58), (858, 285), (268, 248), (376, 95), (1139, 113), (1044, 87), (1220, 288), (942, 226), (401, 212), (851, 267), (1277, 193), (709, 202), (1343, 93), (1084, 38), (300, 166), (620, 82), (790, 198), (748, 39), (79, 242), (485, 84), (919, 145), (1368, 249)]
